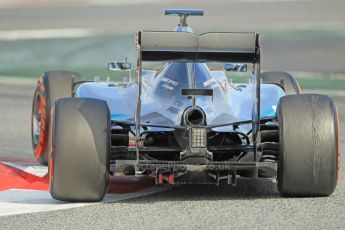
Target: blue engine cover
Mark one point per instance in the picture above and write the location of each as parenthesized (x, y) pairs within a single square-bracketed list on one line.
[(162, 102)]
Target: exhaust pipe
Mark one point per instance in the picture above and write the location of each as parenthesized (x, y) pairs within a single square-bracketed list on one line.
[(194, 116)]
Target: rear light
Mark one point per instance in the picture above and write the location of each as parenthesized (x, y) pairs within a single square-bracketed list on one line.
[(198, 138)]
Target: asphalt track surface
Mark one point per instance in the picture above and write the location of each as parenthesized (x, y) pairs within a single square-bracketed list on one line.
[(252, 204)]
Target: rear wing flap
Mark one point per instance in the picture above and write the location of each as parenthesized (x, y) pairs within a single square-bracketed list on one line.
[(239, 47)]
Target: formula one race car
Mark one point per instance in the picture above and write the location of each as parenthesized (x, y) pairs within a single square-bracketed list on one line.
[(185, 123)]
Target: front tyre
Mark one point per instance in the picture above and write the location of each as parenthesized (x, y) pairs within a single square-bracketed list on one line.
[(283, 79), (309, 145)]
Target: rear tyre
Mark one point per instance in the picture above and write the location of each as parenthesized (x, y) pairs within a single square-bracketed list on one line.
[(50, 87), (309, 145), (79, 164), (283, 79)]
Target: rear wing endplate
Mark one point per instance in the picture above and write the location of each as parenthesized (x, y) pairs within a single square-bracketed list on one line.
[(183, 46)]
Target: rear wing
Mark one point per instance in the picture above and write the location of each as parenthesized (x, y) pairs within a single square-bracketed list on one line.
[(183, 46)]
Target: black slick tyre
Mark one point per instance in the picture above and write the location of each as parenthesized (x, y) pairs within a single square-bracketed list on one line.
[(50, 87), (309, 145), (79, 164), (285, 80)]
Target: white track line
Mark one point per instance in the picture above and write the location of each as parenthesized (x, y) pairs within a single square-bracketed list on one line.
[(34, 169), (14, 35), (21, 201)]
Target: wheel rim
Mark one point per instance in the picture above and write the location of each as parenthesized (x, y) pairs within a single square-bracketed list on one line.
[(37, 119)]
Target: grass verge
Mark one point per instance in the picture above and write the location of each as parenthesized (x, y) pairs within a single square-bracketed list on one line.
[(307, 80)]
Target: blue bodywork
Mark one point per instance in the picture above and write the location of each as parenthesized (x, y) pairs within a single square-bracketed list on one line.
[(162, 102)]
